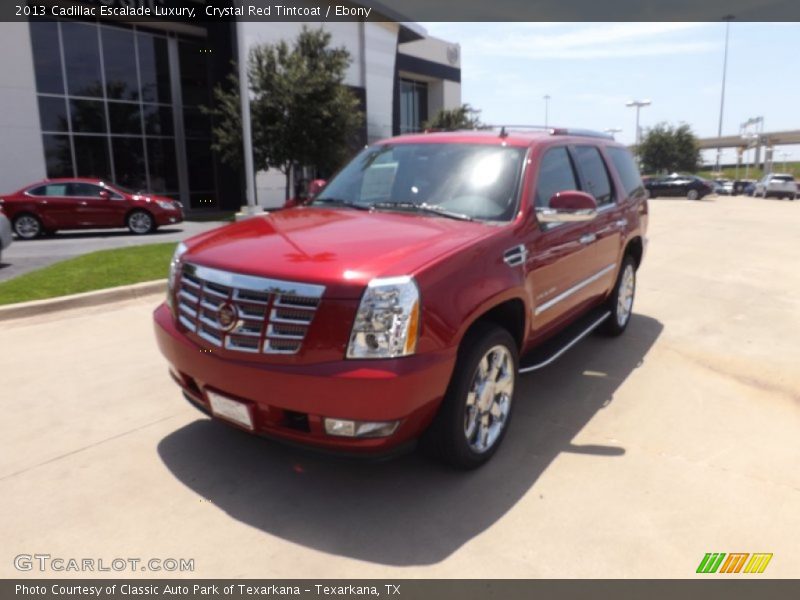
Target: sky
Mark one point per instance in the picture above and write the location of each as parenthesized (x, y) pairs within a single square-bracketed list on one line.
[(590, 70)]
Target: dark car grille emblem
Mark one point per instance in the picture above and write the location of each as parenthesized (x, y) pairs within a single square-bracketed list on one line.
[(227, 316)]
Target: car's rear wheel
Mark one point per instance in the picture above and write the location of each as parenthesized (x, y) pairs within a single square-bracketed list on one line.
[(692, 195), (620, 303), (140, 222), (27, 226), (476, 410)]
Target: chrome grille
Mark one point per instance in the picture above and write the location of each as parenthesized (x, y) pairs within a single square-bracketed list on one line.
[(273, 316)]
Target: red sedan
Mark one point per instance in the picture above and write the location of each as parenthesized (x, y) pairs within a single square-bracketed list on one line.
[(54, 204)]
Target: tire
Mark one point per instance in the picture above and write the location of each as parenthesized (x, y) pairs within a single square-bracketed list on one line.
[(140, 222), (620, 302), (692, 195), (27, 226), (470, 426)]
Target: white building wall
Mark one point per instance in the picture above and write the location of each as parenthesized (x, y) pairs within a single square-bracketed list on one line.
[(435, 50), (22, 153), (380, 44)]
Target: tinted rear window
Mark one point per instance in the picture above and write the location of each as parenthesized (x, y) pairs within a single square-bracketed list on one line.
[(782, 178), (594, 174), (627, 170)]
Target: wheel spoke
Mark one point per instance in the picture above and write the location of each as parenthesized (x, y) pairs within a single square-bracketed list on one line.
[(488, 401), (505, 385)]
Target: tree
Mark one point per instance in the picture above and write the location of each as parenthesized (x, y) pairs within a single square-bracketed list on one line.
[(668, 148), (302, 113), (463, 117)]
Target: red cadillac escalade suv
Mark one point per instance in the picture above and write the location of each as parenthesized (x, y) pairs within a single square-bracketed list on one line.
[(404, 301)]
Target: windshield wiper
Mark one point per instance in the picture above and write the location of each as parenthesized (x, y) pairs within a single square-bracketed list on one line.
[(342, 202), (424, 207)]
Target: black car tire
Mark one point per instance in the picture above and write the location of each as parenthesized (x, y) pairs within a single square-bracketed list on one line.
[(140, 222), (27, 226), (615, 324), (447, 437)]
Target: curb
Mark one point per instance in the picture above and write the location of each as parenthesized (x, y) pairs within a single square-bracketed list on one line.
[(95, 298)]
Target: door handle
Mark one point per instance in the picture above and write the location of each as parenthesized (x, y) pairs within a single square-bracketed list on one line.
[(84, 203), (588, 238), (622, 223)]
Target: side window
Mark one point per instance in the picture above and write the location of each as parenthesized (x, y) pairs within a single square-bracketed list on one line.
[(555, 175), (51, 189), (627, 171), (85, 190), (594, 174)]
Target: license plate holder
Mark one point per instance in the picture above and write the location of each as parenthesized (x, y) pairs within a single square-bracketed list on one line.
[(234, 411)]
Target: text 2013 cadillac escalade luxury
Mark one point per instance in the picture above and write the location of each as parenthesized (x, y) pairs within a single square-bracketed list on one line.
[(396, 305)]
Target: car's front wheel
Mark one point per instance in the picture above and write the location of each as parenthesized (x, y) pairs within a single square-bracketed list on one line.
[(140, 222), (27, 227), (692, 195), (476, 410)]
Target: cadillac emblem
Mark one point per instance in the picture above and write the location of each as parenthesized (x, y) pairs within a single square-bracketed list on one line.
[(227, 316)]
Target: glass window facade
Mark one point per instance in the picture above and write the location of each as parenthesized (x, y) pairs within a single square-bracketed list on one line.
[(108, 107), (413, 105)]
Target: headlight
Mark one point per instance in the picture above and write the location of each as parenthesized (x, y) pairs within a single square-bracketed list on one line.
[(165, 205), (174, 265), (387, 321)]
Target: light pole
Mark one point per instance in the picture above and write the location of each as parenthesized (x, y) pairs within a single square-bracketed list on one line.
[(784, 156), (727, 19), (546, 108), (638, 104), (612, 130)]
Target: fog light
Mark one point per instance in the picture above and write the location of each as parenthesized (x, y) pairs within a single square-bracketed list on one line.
[(363, 429)]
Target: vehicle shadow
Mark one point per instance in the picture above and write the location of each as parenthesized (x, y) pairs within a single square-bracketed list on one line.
[(409, 511)]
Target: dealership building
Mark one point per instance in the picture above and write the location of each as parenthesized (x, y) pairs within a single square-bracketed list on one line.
[(122, 101)]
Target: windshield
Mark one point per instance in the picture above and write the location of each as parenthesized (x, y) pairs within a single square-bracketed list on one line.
[(475, 181)]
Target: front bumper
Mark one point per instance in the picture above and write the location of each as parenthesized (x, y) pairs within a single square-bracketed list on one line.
[(169, 217), (290, 402)]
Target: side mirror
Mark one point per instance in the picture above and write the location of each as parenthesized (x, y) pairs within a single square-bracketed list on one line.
[(104, 195), (568, 207)]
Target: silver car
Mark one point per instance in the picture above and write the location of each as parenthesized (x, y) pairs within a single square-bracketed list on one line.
[(777, 185), (5, 233)]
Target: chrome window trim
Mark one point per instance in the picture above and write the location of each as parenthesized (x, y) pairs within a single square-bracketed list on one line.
[(575, 288), (254, 283)]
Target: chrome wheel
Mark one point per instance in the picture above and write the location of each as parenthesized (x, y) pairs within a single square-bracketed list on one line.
[(692, 195), (27, 227), (140, 222), (627, 287), (489, 399)]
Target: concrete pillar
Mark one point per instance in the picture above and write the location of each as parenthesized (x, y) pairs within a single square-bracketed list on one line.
[(768, 159)]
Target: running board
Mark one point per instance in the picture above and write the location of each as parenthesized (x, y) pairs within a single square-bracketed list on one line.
[(553, 348)]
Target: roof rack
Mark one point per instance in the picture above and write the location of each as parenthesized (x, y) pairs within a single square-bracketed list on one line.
[(504, 129)]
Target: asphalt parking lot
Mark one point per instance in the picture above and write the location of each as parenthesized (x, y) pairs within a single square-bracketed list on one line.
[(630, 457), (24, 256)]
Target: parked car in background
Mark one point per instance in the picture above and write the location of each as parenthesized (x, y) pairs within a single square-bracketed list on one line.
[(5, 232), (743, 187), (723, 187), (53, 204), (776, 185), (689, 186), (404, 300)]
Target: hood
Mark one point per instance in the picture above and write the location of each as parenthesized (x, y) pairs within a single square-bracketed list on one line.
[(339, 248)]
